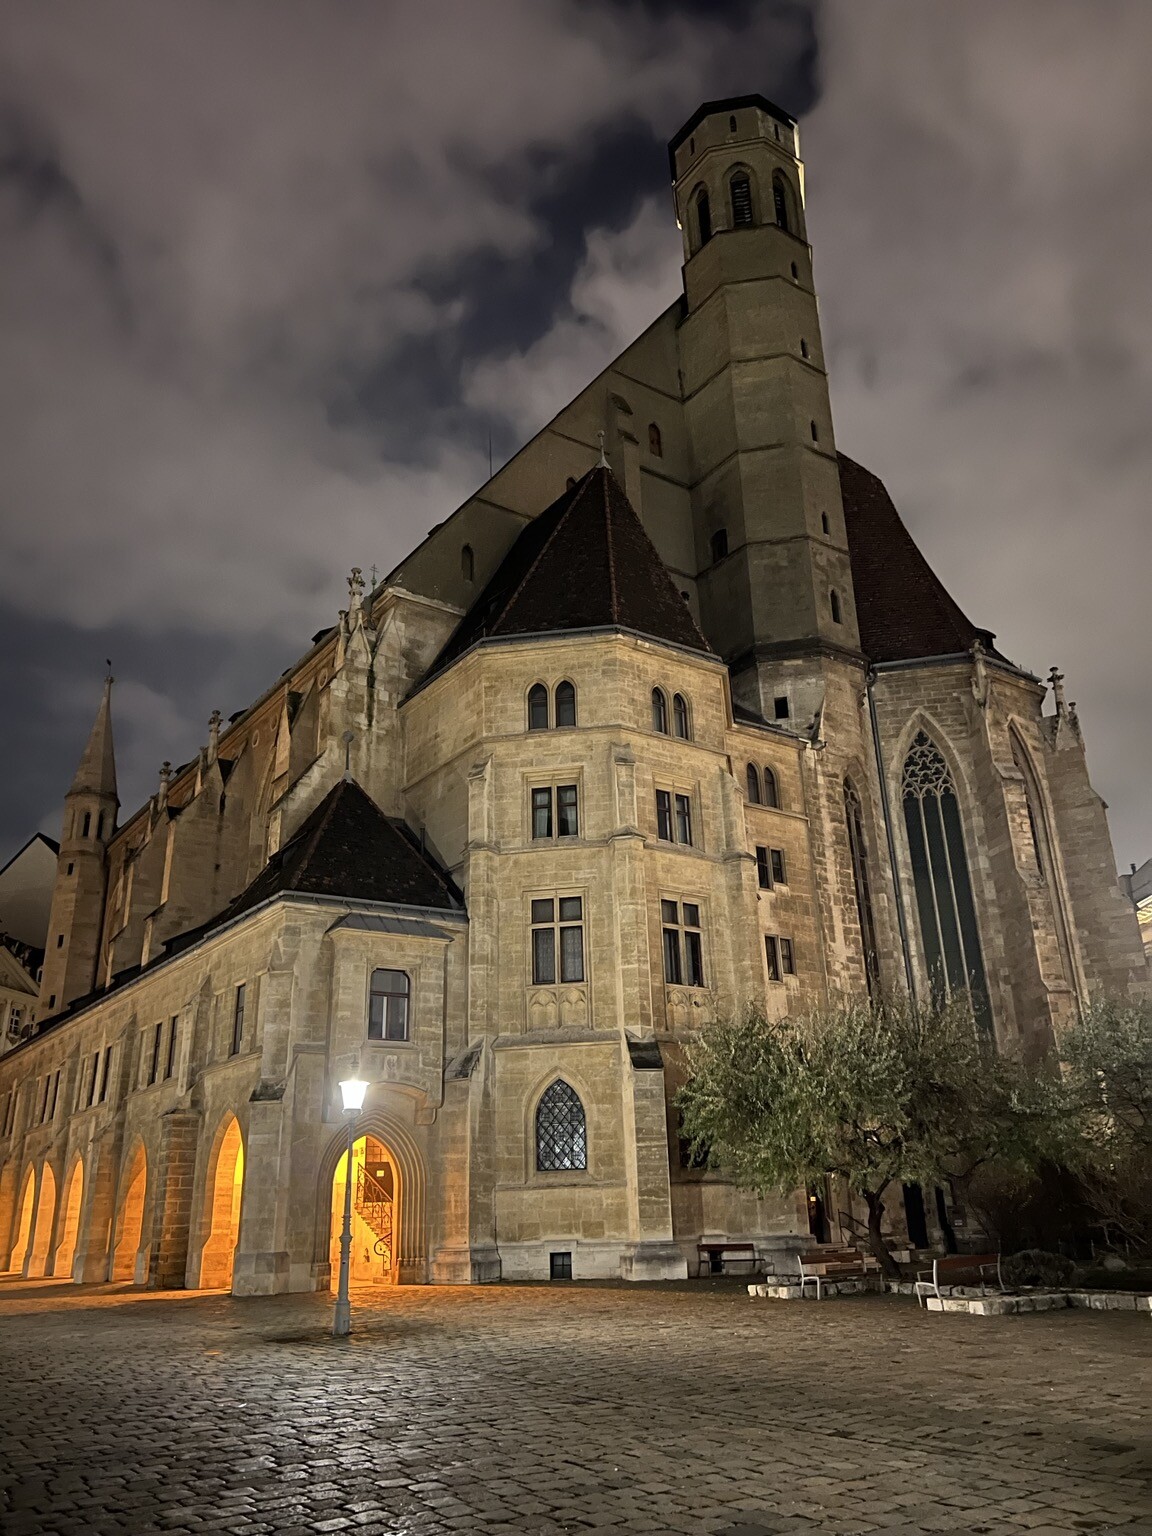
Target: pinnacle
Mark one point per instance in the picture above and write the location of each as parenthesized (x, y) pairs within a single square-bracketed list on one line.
[(96, 773)]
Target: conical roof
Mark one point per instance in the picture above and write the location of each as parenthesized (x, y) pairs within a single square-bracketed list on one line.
[(903, 609), (584, 563), (96, 773)]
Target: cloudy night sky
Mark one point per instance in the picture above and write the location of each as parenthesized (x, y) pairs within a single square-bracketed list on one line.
[(272, 272)]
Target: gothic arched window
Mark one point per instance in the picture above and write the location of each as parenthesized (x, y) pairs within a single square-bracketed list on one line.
[(655, 441), (862, 881), (659, 711), (537, 707), (780, 201), (753, 778), (467, 562), (680, 716), (771, 795), (561, 1132), (565, 704), (940, 875), (703, 217), (740, 191)]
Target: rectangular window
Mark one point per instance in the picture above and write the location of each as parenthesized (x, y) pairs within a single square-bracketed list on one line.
[(779, 876), (772, 955), (560, 1266), (787, 960), (557, 934), (154, 1068), (567, 811), (238, 1019), (682, 944), (683, 819), (541, 813), (664, 816), (763, 869), (780, 707), (170, 1063), (389, 993)]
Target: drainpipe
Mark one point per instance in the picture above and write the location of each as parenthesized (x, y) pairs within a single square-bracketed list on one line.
[(886, 816)]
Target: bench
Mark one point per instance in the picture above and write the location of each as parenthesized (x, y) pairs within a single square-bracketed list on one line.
[(981, 1266), (711, 1256), (833, 1264)]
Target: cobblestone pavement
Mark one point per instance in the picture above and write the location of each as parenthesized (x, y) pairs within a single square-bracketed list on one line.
[(556, 1409)]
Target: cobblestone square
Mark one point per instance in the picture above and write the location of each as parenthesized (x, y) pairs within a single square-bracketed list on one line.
[(559, 1409)]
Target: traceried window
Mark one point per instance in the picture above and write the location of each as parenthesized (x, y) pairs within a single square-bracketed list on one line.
[(682, 944), (565, 704), (564, 800), (561, 1130), (557, 936), (537, 707), (862, 882), (660, 711), (388, 998), (940, 875), (680, 716), (740, 191)]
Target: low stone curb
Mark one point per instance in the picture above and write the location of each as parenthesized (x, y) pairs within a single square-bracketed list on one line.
[(959, 1298)]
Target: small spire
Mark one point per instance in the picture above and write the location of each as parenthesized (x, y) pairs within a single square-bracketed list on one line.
[(1056, 680), (96, 773), (603, 455), (214, 720)]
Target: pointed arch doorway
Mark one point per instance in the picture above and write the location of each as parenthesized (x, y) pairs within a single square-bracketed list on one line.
[(223, 1199), (376, 1196)]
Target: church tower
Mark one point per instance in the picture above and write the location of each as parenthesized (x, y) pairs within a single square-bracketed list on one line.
[(90, 808)]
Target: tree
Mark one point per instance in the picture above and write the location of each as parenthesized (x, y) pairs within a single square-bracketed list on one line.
[(874, 1092), (1107, 1061)]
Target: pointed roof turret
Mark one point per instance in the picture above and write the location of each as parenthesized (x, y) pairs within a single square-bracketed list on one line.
[(96, 772), (585, 563)]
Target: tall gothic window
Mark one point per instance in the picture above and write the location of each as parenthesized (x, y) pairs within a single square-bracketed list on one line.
[(780, 201), (565, 704), (680, 716), (660, 711), (862, 881), (753, 777), (740, 191), (561, 1132), (537, 707), (771, 793), (940, 875)]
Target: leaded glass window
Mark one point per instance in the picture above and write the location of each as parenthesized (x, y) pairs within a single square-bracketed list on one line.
[(862, 881), (940, 875), (561, 1131)]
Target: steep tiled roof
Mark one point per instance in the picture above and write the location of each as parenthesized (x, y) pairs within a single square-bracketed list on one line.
[(902, 607), (348, 848), (584, 563)]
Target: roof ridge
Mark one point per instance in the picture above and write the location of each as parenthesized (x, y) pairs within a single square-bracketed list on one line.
[(613, 597)]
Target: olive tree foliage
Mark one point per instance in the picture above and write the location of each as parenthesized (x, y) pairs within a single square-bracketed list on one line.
[(876, 1092), (1106, 1058)]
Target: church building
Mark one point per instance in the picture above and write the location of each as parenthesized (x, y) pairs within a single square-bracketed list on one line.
[(670, 719)]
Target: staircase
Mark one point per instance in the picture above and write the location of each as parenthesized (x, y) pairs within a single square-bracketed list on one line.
[(374, 1207)]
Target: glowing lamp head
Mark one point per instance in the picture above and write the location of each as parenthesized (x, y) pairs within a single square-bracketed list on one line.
[(352, 1093)]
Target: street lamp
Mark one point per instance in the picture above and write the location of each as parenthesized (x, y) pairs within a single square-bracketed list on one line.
[(352, 1093)]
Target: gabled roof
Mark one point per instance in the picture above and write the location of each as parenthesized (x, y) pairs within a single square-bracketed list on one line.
[(347, 848), (50, 843), (902, 607), (584, 563)]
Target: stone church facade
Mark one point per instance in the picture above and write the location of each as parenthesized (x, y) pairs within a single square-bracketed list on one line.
[(643, 734)]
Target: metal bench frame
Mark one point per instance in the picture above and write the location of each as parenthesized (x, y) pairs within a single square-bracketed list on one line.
[(923, 1287)]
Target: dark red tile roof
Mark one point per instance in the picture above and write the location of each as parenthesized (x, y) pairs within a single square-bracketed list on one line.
[(584, 563), (902, 607), (348, 848)]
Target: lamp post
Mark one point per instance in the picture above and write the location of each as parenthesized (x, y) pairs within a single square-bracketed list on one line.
[(352, 1094)]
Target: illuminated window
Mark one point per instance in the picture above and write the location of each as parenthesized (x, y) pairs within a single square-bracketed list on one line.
[(388, 998), (561, 1131)]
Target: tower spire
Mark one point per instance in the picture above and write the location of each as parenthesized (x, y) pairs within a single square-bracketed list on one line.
[(96, 772)]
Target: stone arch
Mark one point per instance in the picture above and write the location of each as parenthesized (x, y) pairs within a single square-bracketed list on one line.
[(71, 1205), (223, 1200), (25, 1210), (43, 1223), (411, 1256), (130, 1216)]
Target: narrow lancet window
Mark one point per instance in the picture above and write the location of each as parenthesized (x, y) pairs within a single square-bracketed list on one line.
[(862, 882), (740, 190), (561, 1131)]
